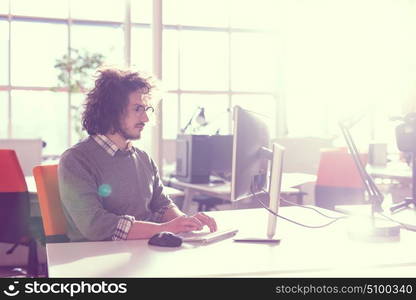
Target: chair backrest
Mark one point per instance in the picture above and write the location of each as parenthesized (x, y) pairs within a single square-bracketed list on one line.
[(12, 179), (14, 199), (53, 218), (337, 169)]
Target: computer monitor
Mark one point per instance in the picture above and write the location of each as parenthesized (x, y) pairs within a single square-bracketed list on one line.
[(250, 161)]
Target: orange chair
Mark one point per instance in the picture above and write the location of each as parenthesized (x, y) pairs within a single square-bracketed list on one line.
[(15, 208), (53, 218), (338, 180)]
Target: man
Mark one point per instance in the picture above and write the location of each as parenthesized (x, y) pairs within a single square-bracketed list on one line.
[(111, 190)]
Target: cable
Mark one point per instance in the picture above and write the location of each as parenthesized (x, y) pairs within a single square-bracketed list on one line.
[(289, 220), (343, 217), (311, 208), (395, 221)]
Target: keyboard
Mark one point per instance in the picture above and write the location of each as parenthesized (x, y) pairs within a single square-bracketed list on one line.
[(208, 237)]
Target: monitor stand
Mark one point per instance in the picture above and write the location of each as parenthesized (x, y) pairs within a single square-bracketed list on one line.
[(257, 240), (276, 156)]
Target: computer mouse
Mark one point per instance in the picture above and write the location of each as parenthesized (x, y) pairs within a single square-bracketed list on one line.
[(165, 239)]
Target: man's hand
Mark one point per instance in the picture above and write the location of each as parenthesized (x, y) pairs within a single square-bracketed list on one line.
[(183, 224), (190, 223), (206, 220)]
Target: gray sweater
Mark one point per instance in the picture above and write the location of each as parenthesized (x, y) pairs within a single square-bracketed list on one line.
[(98, 189)]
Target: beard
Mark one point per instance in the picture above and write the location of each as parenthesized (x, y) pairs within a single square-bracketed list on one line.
[(128, 136)]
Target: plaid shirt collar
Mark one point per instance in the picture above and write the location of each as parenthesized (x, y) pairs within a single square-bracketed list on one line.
[(109, 146)]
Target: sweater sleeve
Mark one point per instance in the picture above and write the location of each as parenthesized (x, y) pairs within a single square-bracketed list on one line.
[(160, 201), (81, 201)]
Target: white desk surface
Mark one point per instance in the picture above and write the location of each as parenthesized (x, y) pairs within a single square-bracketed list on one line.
[(393, 170), (31, 184), (302, 252)]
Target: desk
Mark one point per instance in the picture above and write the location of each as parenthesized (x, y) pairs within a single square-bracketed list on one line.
[(398, 171), (302, 252), (290, 184)]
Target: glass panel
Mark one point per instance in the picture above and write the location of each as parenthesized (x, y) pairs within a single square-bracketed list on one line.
[(204, 60), (4, 53), (41, 115), (108, 41), (141, 49), (4, 7), (46, 43), (106, 10), (258, 14), (77, 134), (40, 8), (170, 116), (142, 10), (212, 13), (3, 114), (170, 59), (253, 62), (216, 113), (262, 104)]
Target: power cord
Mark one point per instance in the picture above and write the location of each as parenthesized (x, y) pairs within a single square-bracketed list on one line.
[(311, 208), (395, 221), (343, 217), (289, 220)]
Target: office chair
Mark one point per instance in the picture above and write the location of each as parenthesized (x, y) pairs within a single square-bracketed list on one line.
[(338, 181), (15, 209), (53, 218)]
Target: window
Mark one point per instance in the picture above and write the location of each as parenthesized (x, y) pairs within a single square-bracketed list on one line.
[(103, 10), (41, 33), (33, 111), (33, 55), (170, 114), (213, 56), (258, 14), (213, 13), (216, 112), (141, 11), (4, 53), (4, 7), (4, 110), (40, 8), (332, 68), (106, 40), (141, 49), (170, 59), (77, 101), (204, 60), (253, 62)]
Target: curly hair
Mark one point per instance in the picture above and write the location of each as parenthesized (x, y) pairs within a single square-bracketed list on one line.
[(107, 101)]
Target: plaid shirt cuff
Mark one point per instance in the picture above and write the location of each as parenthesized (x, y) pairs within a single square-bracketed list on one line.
[(123, 228)]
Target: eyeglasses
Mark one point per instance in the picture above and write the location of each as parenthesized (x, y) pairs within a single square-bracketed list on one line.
[(141, 109)]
